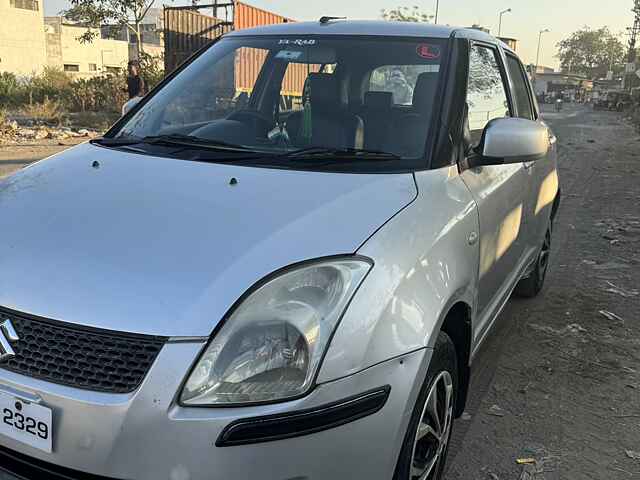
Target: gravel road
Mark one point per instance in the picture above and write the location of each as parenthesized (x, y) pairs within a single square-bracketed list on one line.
[(559, 381)]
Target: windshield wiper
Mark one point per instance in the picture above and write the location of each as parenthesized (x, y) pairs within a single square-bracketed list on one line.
[(175, 139), (192, 141), (116, 142), (337, 155)]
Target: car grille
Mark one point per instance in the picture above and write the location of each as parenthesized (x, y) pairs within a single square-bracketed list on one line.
[(85, 358), (22, 467)]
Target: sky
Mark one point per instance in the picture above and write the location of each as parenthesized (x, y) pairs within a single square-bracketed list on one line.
[(528, 17)]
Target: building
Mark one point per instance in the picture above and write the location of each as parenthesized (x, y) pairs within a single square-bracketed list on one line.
[(561, 83), (22, 37), (82, 60), (512, 43)]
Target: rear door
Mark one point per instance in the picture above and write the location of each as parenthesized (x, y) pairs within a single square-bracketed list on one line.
[(542, 175), (500, 191)]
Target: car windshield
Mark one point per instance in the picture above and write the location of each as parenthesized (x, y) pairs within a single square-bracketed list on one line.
[(283, 95)]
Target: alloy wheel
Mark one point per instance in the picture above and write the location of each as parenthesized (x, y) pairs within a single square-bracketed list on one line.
[(434, 428)]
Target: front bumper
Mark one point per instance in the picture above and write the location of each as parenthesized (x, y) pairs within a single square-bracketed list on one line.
[(146, 435)]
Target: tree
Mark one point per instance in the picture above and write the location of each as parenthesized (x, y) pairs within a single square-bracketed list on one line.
[(406, 14), (591, 52), (122, 13)]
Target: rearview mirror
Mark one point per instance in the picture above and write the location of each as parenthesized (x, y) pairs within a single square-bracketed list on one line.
[(512, 140)]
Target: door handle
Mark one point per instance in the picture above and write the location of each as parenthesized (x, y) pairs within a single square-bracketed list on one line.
[(473, 238)]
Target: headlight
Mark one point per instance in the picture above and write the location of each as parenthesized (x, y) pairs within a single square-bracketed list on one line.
[(271, 346)]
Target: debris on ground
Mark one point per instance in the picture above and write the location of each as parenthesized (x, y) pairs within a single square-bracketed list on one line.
[(633, 455), (496, 411), (621, 291), (525, 461), (610, 316), (13, 133), (573, 328), (466, 417)]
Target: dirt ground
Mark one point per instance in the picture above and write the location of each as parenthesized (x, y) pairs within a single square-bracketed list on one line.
[(559, 381), (14, 157)]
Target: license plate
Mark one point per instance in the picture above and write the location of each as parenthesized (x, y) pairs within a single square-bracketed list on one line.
[(26, 422)]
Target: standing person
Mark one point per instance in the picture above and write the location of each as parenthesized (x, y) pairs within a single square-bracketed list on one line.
[(135, 83)]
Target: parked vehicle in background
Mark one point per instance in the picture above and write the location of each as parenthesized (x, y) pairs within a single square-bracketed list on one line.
[(614, 101), (234, 289)]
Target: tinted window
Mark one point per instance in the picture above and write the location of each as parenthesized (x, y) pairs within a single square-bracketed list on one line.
[(520, 89), (486, 94)]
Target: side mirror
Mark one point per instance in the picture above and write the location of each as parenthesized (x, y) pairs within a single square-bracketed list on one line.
[(512, 140), (130, 104)]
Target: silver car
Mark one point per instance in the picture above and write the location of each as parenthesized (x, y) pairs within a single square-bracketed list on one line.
[(273, 267)]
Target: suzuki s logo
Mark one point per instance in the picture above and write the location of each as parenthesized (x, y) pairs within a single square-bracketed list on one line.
[(8, 335)]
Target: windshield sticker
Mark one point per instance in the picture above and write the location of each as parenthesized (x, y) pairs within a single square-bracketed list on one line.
[(300, 42), (289, 55), (428, 52)]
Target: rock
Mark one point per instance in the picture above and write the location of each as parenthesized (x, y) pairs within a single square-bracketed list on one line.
[(42, 134), (633, 455), (83, 132), (26, 133), (496, 411)]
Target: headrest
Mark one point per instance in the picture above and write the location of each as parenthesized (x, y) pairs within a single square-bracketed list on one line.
[(323, 91), (425, 91), (379, 100)]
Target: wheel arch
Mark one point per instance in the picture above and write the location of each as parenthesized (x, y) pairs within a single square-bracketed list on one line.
[(458, 326)]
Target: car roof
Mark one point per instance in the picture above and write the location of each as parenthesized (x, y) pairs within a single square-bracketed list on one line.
[(368, 28)]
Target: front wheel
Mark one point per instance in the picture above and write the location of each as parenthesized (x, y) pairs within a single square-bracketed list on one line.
[(424, 451), (532, 285)]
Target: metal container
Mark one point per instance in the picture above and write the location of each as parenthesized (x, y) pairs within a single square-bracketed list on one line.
[(186, 30)]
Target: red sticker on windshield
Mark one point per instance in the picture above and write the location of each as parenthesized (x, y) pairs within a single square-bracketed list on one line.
[(428, 52)]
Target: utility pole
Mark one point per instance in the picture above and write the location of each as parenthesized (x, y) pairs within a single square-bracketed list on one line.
[(546, 30), (634, 31), (437, 10), (508, 10)]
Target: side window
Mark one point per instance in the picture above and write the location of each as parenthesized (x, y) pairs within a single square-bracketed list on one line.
[(520, 89), (486, 94), (400, 80)]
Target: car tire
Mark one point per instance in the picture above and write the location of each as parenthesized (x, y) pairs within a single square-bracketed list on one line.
[(426, 442), (531, 286)]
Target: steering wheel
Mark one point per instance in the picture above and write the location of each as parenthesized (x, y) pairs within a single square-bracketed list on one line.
[(259, 121)]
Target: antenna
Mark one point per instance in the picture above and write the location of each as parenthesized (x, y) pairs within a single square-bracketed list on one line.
[(325, 20)]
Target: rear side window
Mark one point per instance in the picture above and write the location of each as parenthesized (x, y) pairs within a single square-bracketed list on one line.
[(400, 80), (520, 89), (486, 93)]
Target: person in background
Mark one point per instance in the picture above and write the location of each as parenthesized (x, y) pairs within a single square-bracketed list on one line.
[(135, 83)]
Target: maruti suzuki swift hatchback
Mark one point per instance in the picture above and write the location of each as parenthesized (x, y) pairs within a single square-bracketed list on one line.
[(287, 281)]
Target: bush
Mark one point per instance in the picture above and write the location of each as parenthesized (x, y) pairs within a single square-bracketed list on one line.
[(10, 89), (47, 111), (97, 94)]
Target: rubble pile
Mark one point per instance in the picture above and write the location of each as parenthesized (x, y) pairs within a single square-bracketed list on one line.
[(11, 133)]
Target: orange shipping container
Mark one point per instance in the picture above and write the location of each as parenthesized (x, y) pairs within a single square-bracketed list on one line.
[(187, 30)]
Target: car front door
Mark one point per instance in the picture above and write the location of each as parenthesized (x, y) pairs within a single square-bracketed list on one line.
[(500, 191)]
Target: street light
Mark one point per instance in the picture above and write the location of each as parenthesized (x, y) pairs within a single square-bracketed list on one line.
[(546, 30), (508, 10)]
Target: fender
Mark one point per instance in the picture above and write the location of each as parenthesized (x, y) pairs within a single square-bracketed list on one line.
[(421, 269)]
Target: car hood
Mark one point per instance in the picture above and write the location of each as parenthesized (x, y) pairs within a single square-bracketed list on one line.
[(159, 246)]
